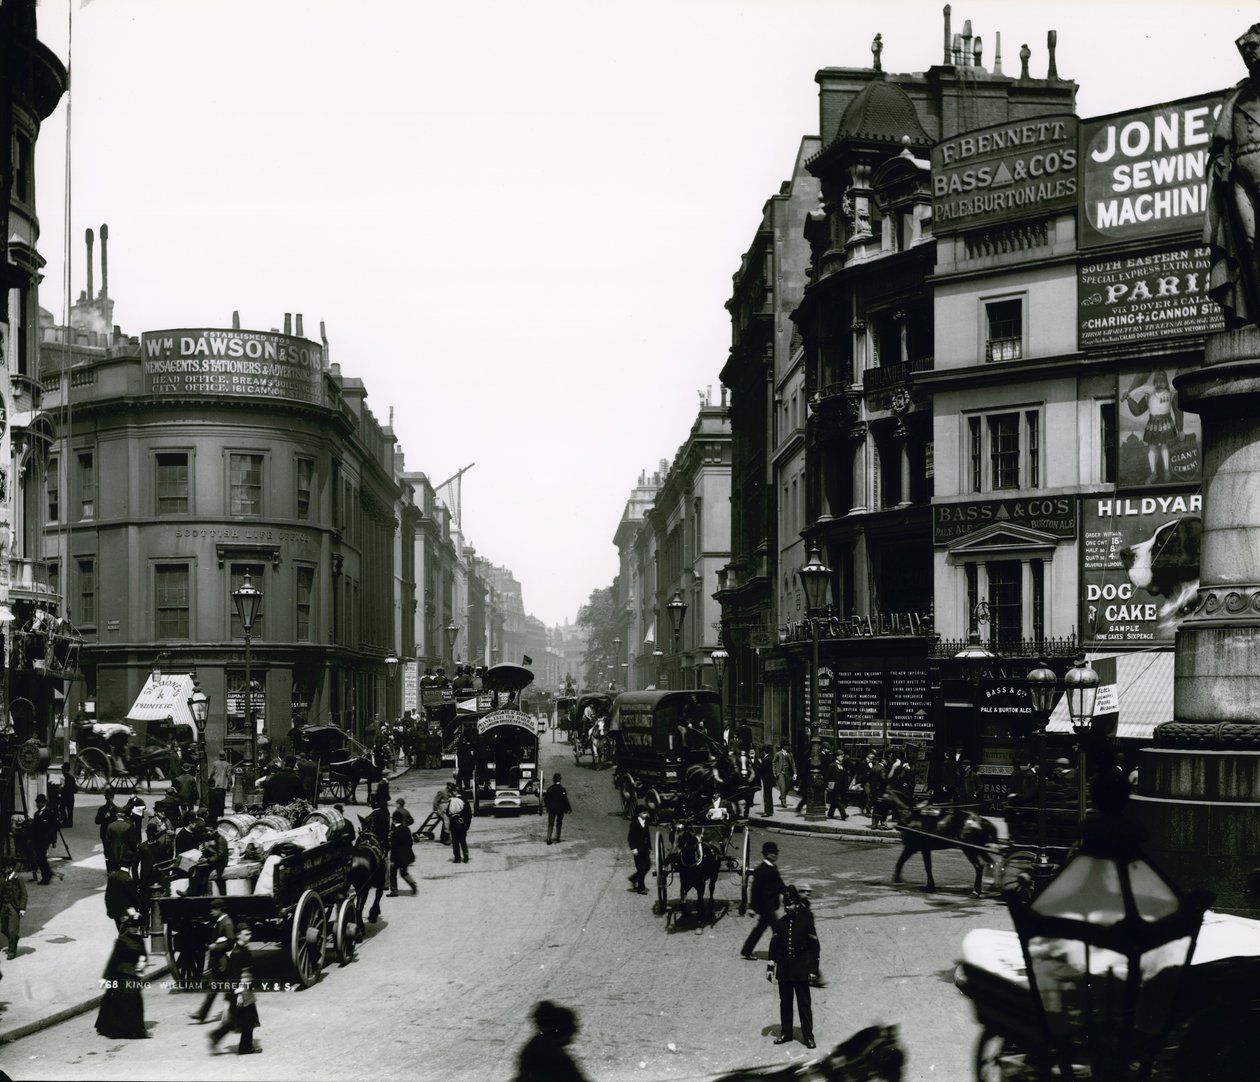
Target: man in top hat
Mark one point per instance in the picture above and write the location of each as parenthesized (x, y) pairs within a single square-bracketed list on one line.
[(764, 897), (640, 843), (43, 834)]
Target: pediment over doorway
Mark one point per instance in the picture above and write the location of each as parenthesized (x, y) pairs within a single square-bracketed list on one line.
[(1003, 539)]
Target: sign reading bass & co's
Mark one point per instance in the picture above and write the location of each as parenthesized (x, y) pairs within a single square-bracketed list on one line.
[(1005, 171), (207, 361), (1055, 515)]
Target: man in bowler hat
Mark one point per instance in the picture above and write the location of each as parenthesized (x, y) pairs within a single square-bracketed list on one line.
[(764, 897)]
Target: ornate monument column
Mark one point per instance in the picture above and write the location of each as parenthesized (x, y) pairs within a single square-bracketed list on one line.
[(1199, 786)]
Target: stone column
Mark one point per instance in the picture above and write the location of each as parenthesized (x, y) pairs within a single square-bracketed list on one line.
[(857, 434), (1199, 786)]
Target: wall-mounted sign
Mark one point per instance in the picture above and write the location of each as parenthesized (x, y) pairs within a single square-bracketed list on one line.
[(1055, 515), (1012, 170), (205, 361), (1139, 566), (1156, 443), (1134, 298), (1144, 173)]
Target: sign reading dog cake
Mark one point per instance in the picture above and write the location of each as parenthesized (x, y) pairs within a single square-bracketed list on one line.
[(1139, 567)]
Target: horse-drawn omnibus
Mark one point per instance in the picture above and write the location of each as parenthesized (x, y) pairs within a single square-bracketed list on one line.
[(507, 777), (656, 736)]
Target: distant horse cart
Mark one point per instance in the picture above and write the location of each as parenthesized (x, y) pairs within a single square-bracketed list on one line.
[(342, 762), (112, 753)]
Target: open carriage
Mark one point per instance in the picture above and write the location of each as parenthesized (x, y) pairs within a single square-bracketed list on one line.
[(118, 755), (585, 737), (341, 762), (682, 849), (310, 911)]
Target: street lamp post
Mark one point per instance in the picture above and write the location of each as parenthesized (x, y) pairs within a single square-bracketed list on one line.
[(452, 633), (677, 609), (391, 669), (815, 577), (248, 599), (657, 655), (199, 707), (1041, 684), (720, 657), (1082, 694)]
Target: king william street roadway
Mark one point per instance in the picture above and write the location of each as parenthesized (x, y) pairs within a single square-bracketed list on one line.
[(443, 987)]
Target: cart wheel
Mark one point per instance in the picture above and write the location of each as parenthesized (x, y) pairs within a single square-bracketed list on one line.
[(345, 931), (745, 872), (1014, 875), (628, 800), (341, 790), (653, 801), (185, 952), (307, 929), (123, 777), (662, 877), (90, 769)]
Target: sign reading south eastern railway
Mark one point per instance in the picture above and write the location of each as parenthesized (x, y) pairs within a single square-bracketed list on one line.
[(255, 364)]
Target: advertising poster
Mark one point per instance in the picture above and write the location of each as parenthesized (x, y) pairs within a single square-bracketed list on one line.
[(1139, 567), (1054, 515), (208, 361), (1156, 443), (1144, 174), (1136, 298), (1002, 172)]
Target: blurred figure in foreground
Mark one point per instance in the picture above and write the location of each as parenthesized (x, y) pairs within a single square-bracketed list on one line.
[(544, 1057)]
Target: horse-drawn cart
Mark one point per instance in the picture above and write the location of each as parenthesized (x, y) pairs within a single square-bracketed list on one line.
[(696, 851), (591, 738), (110, 753), (309, 910), (342, 762)]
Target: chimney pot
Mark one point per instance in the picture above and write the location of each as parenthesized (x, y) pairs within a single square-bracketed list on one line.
[(298, 328), (288, 323), (104, 261)]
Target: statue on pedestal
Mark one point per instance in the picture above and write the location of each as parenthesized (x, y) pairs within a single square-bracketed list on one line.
[(1230, 227)]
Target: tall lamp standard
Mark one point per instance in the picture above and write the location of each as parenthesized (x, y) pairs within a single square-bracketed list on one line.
[(452, 633), (391, 669), (815, 577), (199, 707), (248, 600), (1041, 684), (677, 609), (1082, 695), (720, 657)]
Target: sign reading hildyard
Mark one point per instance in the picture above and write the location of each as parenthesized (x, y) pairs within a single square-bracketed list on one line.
[(1007, 171), (1144, 173), (206, 361)]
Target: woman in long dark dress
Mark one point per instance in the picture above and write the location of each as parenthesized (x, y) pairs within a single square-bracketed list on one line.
[(122, 1010)]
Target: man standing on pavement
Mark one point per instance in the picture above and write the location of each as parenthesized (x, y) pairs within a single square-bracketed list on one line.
[(765, 775), (640, 843), (839, 776), (186, 787), (220, 782), (69, 786), (107, 812), (460, 812), (556, 801), (764, 897), (784, 771), (794, 956), (222, 940), (43, 834), (12, 906)]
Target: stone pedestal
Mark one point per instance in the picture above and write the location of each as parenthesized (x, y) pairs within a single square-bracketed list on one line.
[(1199, 786)]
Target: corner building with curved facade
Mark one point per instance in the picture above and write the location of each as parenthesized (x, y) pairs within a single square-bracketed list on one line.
[(190, 457)]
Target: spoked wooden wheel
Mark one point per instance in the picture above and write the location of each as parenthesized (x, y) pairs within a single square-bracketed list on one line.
[(662, 877), (345, 931), (185, 952), (123, 776), (308, 928), (745, 872), (90, 769), (1014, 874)]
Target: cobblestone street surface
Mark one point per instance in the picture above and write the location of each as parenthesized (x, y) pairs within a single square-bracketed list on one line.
[(443, 987)]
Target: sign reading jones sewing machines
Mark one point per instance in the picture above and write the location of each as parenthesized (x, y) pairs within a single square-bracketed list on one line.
[(1144, 174), (1007, 171), (206, 361), (1134, 298)]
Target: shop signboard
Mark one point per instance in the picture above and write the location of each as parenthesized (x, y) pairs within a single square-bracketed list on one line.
[(873, 703), (1006, 171), (1139, 567), (1054, 515), (1144, 173), (1156, 443), (411, 686), (1136, 298), (254, 364), (1004, 701)]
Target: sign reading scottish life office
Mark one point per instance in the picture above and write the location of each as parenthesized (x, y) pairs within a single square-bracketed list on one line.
[(1055, 515), (1135, 298), (1006, 171), (1144, 174), (230, 362), (1139, 566)]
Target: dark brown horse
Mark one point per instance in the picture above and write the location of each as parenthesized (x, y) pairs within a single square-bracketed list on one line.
[(367, 871), (927, 827), (697, 864)]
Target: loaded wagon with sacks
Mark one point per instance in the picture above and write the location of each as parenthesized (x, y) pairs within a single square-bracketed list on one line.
[(291, 883)]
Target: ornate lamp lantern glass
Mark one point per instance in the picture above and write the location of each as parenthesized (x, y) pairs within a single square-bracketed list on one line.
[(452, 633), (815, 577), (1082, 692), (677, 609), (391, 663), (1105, 945), (719, 657), (248, 600), (1041, 685), (199, 707)]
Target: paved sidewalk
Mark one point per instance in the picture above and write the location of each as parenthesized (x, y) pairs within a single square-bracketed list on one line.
[(66, 936)]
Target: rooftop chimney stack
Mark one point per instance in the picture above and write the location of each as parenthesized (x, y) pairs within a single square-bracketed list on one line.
[(966, 42), (957, 49), (1052, 40), (997, 53), (298, 328), (288, 323), (1024, 54), (236, 320), (947, 38), (977, 52), (90, 238), (324, 339), (104, 262)]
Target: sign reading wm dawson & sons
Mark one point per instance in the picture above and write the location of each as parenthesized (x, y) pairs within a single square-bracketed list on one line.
[(1135, 298), (1144, 174), (205, 361), (1007, 171)]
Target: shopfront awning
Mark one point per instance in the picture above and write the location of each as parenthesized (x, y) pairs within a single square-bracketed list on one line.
[(164, 695), (1141, 691)]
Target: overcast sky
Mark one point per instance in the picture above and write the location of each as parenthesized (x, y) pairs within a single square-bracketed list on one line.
[(518, 219)]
